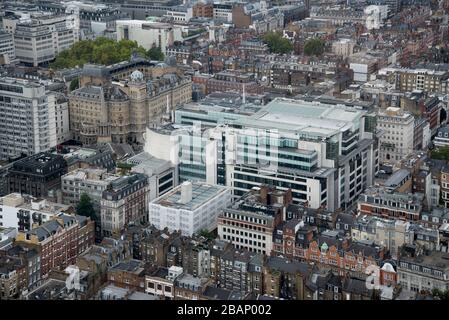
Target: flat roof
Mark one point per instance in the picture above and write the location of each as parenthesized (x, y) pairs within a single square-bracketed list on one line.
[(307, 117), (397, 177), (201, 194)]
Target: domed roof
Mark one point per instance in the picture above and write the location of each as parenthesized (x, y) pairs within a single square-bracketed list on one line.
[(388, 267), (136, 76)]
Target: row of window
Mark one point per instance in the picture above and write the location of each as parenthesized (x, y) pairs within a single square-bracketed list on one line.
[(244, 233)]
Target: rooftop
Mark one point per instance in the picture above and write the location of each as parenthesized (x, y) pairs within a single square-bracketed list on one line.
[(397, 178), (17, 200), (435, 259), (133, 266), (51, 227), (300, 116), (146, 163), (386, 196), (201, 194)]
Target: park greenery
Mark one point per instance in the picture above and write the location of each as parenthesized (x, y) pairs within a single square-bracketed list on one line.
[(102, 51), (276, 43), (314, 47)]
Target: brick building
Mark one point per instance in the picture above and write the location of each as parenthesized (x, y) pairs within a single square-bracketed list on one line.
[(392, 205), (205, 10), (60, 240), (129, 275)]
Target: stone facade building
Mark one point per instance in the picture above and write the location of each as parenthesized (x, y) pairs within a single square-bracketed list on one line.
[(104, 110), (124, 201)]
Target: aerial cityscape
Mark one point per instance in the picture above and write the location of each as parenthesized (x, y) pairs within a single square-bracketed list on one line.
[(231, 150)]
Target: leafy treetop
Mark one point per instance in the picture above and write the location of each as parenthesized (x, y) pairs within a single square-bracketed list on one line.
[(85, 207), (441, 153), (102, 51), (314, 47), (276, 43)]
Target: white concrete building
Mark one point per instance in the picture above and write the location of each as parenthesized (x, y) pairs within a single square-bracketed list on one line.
[(250, 222), (7, 46), (343, 47), (297, 144), (375, 16), (27, 118), (62, 118), (396, 142), (39, 38), (363, 65), (190, 207), (7, 233), (223, 12), (148, 34), (25, 212), (162, 176), (89, 181), (180, 15)]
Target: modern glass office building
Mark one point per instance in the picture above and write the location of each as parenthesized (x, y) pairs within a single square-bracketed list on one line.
[(324, 153)]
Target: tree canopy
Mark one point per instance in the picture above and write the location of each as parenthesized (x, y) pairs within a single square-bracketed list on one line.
[(206, 234), (101, 50), (85, 207), (74, 84), (441, 153), (443, 295), (155, 53), (276, 43), (314, 47)]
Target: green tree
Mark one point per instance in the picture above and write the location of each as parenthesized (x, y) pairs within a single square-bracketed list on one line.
[(101, 50), (276, 43), (124, 168), (314, 47), (441, 153), (74, 84), (443, 295), (156, 53), (206, 234), (85, 207)]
